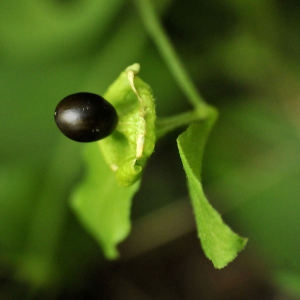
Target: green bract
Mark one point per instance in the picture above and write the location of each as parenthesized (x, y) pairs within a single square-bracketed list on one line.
[(102, 205), (102, 201), (126, 150)]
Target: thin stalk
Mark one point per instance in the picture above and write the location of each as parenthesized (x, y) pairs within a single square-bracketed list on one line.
[(168, 124), (157, 33)]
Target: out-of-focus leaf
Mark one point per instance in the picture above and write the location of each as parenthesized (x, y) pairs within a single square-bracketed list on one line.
[(15, 206), (262, 148), (219, 242), (41, 28)]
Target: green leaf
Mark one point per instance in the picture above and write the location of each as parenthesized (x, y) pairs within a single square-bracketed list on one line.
[(128, 148), (115, 164), (52, 23), (102, 205), (220, 244)]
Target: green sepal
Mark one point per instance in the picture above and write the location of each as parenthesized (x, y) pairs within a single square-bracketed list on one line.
[(127, 149)]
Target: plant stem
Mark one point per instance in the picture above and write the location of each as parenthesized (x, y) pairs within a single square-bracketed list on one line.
[(168, 124), (169, 54)]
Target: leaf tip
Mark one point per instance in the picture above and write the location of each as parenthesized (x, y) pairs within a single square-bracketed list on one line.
[(223, 262), (135, 68)]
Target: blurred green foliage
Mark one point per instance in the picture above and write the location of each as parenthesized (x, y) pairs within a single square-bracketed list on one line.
[(243, 56)]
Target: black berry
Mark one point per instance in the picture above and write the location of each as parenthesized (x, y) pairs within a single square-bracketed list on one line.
[(85, 117)]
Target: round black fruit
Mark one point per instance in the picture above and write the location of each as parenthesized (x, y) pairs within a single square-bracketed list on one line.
[(85, 117)]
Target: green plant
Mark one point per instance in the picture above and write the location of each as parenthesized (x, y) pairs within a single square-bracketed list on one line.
[(243, 57), (114, 166)]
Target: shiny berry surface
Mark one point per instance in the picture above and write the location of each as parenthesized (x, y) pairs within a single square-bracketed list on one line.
[(85, 117)]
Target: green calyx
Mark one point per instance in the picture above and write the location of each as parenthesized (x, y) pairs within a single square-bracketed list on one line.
[(127, 149)]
